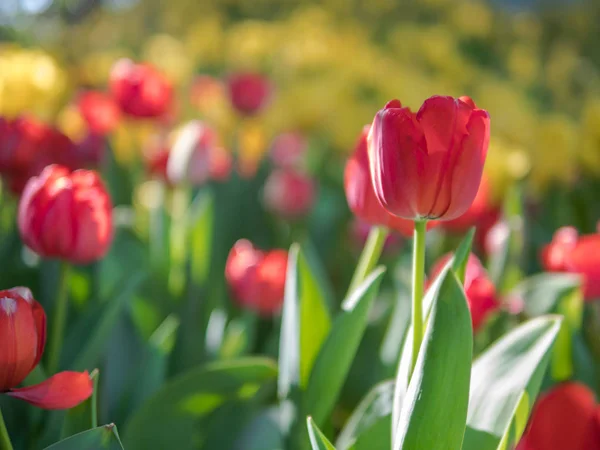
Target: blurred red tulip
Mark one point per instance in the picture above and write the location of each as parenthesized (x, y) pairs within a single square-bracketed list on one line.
[(249, 92), (479, 289), (90, 152), (569, 252), (140, 90), (190, 158), (23, 337), (361, 196), (256, 278), (428, 165), (566, 418), (289, 194), (288, 149), (221, 163), (100, 112), (156, 163), (66, 215)]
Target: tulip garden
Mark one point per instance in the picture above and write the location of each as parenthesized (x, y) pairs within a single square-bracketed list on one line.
[(299, 226)]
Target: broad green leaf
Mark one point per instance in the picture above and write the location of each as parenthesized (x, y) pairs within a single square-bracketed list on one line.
[(513, 366), (170, 418), (318, 441), (105, 437), (263, 432), (372, 414), (434, 411), (340, 347), (458, 262), (461, 255), (90, 356), (304, 326)]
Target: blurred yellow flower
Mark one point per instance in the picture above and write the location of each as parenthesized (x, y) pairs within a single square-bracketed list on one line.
[(170, 56), (71, 123)]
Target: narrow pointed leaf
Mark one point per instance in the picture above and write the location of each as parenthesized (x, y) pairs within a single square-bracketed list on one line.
[(100, 438), (318, 441), (434, 411), (340, 347)]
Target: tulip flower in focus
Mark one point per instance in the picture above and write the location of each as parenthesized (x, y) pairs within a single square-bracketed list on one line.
[(256, 278), (288, 149), (479, 289), (572, 253), (66, 215), (23, 337), (249, 92), (567, 417), (428, 165), (289, 194), (100, 112), (361, 196), (140, 90)]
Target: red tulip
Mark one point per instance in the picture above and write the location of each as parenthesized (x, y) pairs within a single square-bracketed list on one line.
[(156, 163), (100, 112), (428, 165), (289, 194), (249, 92), (256, 278), (566, 418), (23, 337), (479, 289), (89, 152), (288, 149), (569, 252), (140, 90), (361, 196), (221, 163), (66, 215)]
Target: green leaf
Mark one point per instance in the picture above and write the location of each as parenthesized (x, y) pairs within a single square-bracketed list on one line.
[(543, 292), (263, 432), (201, 218), (305, 323), (366, 423), (338, 351), (458, 262), (434, 411), (170, 418), (90, 356), (105, 437), (512, 367), (318, 441)]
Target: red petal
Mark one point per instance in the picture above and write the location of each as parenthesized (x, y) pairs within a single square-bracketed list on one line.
[(62, 391)]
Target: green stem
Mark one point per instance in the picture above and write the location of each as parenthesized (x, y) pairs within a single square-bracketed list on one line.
[(369, 256), (417, 288), (94, 400), (59, 318), (5, 443)]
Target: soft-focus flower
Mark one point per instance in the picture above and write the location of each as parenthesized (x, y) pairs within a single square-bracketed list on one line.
[(569, 252), (361, 196), (567, 417), (23, 337), (288, 149), (66, 215), (256, 278), (221, 163), (289, 194), (139, 89), (249, 92), (90, 151), (479, 289), (428, 165), (100, 112)]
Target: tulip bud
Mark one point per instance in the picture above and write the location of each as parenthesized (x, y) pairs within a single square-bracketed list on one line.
[(66, 215), (256, 278), (189, 159), (569, 252), (139, 89), (361, 196), (479, 289), (289, 194), (249, 92), (100, 112), (288, 149), (428, 165), (23, 337)]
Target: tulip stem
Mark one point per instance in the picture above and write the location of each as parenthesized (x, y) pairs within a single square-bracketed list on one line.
[(369, 256), (59, 318), (5, 443), (417, 289)]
